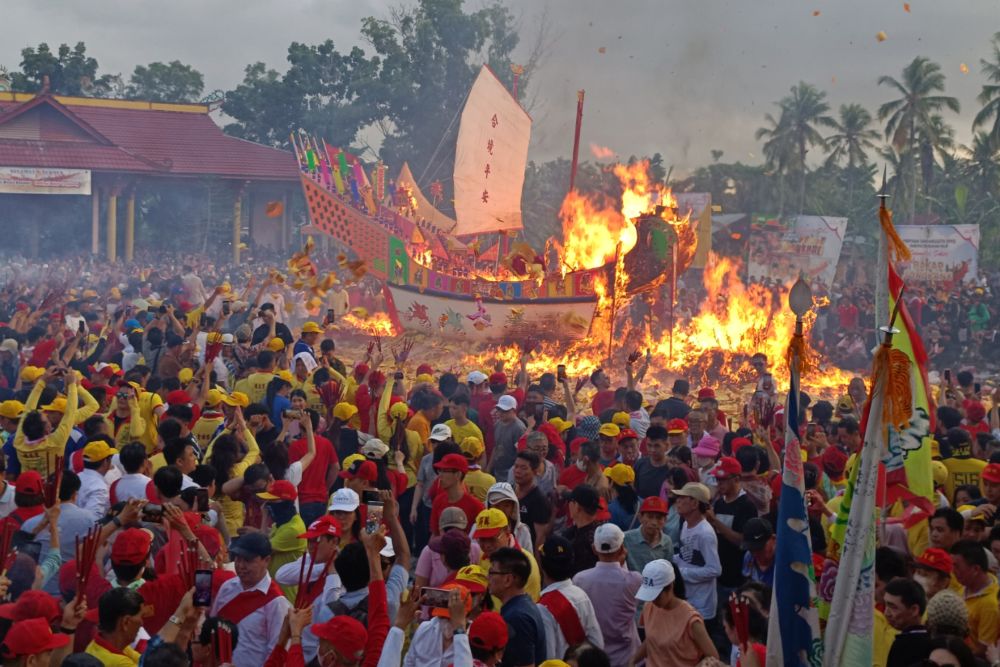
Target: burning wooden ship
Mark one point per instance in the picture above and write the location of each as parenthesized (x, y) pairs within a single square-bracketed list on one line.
[(437, 276)]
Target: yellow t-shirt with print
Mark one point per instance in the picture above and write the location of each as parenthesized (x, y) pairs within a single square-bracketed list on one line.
[(460, 433)]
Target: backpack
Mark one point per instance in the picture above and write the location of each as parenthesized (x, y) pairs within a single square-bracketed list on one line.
[(359, 612)]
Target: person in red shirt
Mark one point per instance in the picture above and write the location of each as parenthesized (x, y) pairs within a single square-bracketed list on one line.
[(848, 314), (604, 399), (367, 397), (975, 419), (451, 473), (314, 489)]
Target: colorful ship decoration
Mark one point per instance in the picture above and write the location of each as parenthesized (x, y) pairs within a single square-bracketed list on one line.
[(468, 276)]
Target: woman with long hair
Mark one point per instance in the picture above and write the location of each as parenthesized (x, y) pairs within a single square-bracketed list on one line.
[(276, 398), (275, 455), (231, 454)]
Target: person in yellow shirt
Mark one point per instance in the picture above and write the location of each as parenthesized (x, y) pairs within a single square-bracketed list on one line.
[(963, 467), (120, 617), (255, 384), (979, 589), (226, 455), (211, 420), (36, 442), (493, 533), (125, 420), (460, 424), (477, 480)]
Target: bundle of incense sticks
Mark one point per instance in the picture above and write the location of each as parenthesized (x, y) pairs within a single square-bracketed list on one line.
[(188, 564), (223, 644), (302, 596), (86, 553), (741, 617), (52, 482), (6, 537)]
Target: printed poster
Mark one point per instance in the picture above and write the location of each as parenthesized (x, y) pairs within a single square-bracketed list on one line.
[(943, 255), (806, 244)]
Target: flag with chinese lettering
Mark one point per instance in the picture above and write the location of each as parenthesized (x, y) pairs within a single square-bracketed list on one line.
[(793, 637)]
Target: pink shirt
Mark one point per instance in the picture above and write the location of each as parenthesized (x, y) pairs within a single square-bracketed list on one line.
[(431, 566)]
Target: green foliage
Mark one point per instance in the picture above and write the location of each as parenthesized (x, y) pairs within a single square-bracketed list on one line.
[(166, 82), (70, 71)]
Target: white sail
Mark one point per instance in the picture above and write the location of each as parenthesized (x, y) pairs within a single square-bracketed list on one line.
[(424, 209), (490, 159)]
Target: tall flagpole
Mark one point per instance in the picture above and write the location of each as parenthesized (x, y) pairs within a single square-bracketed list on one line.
[(882, 261)]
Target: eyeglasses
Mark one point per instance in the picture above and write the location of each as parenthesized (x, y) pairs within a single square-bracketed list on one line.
[(122, 394)]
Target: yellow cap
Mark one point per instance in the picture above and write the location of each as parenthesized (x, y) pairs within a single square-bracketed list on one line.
[(490, 522), (472, 447), (399, 410), (620, 474), (185, 375), (311, 327), (276, 345), (561, 424), (554, 663), (214, 397), (98, 451), (349, 461), (940, 472), (285, 374), (344, 411), (11, 409), (425, 377), (967, 512), (472, 574), (58, 404), (621, 419), (31, 373), (237, 399), (610, 430)]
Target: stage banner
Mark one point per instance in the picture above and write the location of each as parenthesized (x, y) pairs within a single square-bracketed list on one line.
[(943, 255), (699, 206), (39, 181), (807, 244)]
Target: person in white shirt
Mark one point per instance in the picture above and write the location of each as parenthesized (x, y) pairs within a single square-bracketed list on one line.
[(252, 600), (94, 494), (193, 287), (6, 499), (74, 521), (134, 483), (566, 610), (697, 555)]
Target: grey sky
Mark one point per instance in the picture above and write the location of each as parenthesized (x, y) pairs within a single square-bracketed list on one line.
[(680, 77)]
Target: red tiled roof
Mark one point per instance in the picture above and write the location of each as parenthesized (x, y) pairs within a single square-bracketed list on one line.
[(179, 143)]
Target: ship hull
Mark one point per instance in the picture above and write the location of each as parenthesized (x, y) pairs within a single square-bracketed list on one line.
[(485, 320)]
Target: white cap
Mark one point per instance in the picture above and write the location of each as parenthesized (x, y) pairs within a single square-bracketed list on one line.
[(608, 538), (387, 550), (477, 377), (657, 575), (375, 449), (506, 402), (344, 500), (440, 432), (228, 339)]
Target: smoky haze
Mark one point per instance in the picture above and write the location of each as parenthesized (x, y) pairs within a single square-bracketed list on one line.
[(679, 77)]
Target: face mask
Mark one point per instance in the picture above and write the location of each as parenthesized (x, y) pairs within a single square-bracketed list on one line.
[(581, 465)]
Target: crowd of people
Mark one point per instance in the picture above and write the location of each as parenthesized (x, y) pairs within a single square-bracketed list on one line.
[(195, 476)]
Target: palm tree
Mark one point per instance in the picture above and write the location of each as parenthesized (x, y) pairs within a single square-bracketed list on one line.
[(801, 112), (911, 114), (983, 164), (852, 138), (779, 151), (936, 141), (990, 95)]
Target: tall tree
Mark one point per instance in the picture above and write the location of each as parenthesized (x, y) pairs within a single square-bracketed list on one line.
[(802, 111), (779, 152), (166, 82), (70, 71), (910, 115), (989, 97), (852, 138)]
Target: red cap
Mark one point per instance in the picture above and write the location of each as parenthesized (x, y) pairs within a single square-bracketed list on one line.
[(453, 462), (360, 371), (653, 504), (991, 473), (425, 369), (365, 470), (833, 460), (376, 379), (178, 397), (31, 604), (936, 559), (280, 489), (131, 547), (739, 443), (29, 482), (677, 426), (185, 306), (574, 444), (497, 378), (210, 539), (347, 635), (975, 412), (627, 433), (32, 637), (325, 525), (727, 467), (706, 393), (488, 632)]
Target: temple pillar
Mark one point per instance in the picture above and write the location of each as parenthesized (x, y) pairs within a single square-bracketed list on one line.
[(130, 227), (95, 221), (237, 225), (112, 250)]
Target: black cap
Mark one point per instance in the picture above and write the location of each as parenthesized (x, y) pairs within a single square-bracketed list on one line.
[(557, 550), (586, 497), (251, 545), (756, 533)]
